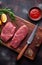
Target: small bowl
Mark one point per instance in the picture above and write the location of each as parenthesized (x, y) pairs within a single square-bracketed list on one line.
[(34, 18)]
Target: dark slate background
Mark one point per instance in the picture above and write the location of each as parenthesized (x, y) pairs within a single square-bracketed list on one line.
[(20, 8)]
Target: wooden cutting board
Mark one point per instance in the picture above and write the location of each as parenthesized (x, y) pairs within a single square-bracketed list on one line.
[(33, 48)]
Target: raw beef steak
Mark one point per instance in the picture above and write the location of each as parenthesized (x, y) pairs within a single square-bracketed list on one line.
[(19, 36), (7, 31)]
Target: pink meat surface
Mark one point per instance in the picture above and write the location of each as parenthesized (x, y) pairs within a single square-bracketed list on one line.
[(19, 36), (7, 31)]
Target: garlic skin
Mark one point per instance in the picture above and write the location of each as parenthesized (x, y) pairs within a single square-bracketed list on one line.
[(3, 18), (30, 52)]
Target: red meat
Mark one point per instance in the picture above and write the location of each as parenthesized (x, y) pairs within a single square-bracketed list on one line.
[(19, 36), (7, 31)]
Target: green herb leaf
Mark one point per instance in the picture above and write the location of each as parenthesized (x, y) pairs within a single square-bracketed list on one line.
[(8, 11), (0, 41), (1, 13)]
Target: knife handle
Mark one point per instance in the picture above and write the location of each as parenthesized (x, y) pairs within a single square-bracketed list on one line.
[(22, 51)]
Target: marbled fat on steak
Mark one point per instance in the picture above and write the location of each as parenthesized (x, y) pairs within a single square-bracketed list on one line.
[(19, 36), (7, 31)]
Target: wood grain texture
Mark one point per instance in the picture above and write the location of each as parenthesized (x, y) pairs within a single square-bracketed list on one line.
[(37, 39)]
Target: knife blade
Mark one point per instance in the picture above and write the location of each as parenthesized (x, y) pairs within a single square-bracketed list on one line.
[(30, 39)]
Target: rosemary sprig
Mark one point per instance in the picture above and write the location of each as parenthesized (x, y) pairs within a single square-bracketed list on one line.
[(8, 11), (1, 41), (1, 13)]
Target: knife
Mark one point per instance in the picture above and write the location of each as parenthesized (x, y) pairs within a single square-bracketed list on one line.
[(30, 39)]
